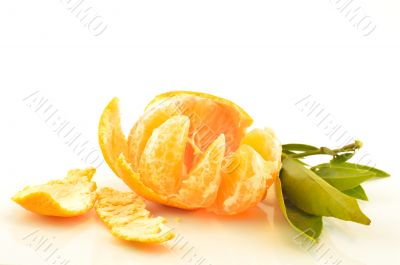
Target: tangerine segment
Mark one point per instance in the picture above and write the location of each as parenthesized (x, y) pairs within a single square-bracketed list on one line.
[(72, 196), (161, 166), (111, 138), (200, 188), (132, 179), (209, 116), (243, 183), (126, 216), (268, 146)]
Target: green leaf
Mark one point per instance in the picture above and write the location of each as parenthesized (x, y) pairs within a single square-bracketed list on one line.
[(300, 161), (310, 193), (357, 192), (342, 158), (342, 178), (308, 225), (298, 147), (288, 152), (378, 173)]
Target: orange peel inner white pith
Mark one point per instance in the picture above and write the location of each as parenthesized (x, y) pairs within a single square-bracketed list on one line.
[(125, 215)]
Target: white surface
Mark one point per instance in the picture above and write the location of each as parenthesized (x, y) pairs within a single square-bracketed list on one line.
[(265, 57)]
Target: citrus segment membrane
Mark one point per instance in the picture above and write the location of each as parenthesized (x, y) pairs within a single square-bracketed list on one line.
[(210, 116), (200, 188), (249, 172), (265, 142), (72, 196), (125, 214), (244, 184), (161, 166)]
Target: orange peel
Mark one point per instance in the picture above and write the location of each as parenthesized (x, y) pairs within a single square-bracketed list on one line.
[(125, 214), (72, 196)]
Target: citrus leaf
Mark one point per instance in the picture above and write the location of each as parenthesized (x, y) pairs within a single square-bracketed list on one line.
[(342, 158), (308, 225), (310, 193), (288, 152), (357, 192), (301, 161), (298, 147), (378, 173), (342, 178)]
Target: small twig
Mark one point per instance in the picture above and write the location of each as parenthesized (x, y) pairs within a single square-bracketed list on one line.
[(326, 151)]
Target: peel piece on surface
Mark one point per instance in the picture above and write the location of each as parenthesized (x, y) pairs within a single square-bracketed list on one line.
[(74, 195), (126, 216)]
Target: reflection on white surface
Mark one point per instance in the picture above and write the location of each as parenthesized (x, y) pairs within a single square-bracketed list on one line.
[(259, 236), (202, 238)]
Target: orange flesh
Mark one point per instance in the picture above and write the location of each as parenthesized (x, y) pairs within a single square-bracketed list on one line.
[(178, 153), (209, 117)]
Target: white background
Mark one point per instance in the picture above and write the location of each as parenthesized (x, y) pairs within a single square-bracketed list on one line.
[(265, 56)]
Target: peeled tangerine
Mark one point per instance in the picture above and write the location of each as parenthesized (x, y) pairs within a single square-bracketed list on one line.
[(125, 214), (191, 150), (72, 196)]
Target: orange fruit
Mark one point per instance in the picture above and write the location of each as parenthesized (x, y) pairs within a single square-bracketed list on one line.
[(190, 150), (72, 196), (125, 215)]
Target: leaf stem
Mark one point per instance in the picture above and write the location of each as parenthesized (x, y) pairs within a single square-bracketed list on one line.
[(327, 151)]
